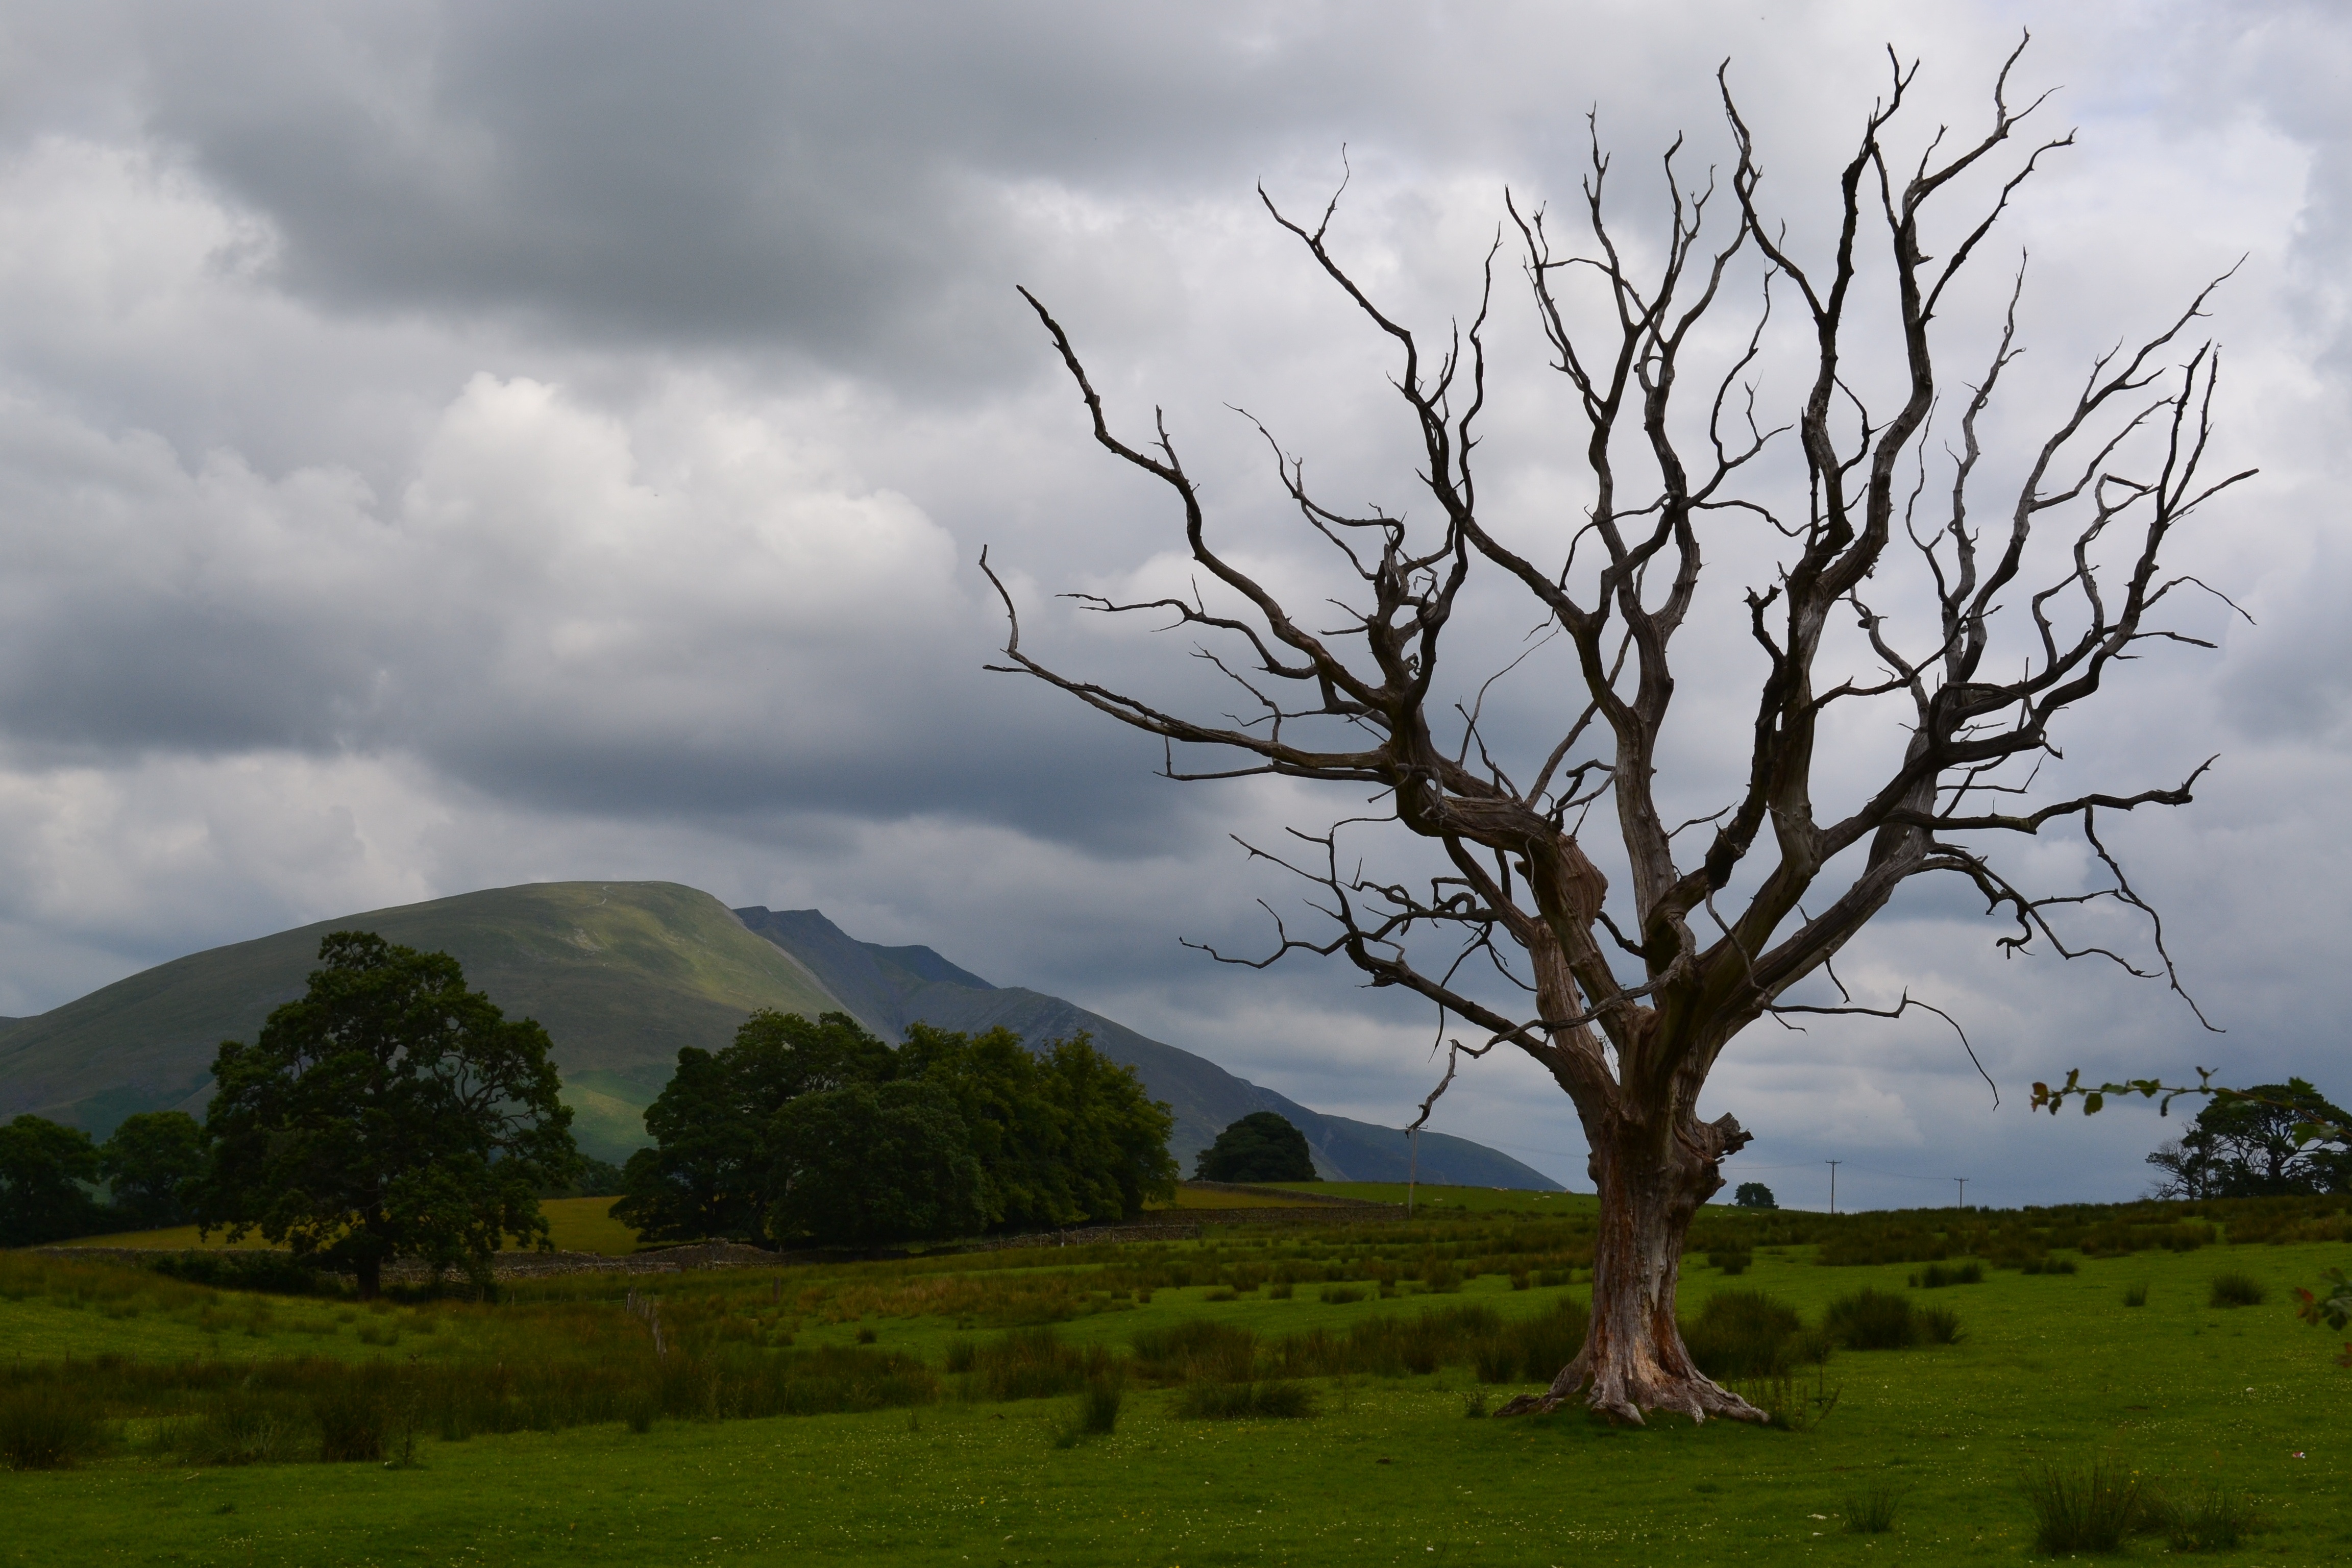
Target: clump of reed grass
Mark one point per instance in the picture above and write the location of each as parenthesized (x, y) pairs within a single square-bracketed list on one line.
[(1870, 1512), (1934, 1276), (1872, 1321), (1938, 1326), (1742, 1333), (1532, 1350), (1033, 1363), (1278, 1399), (2088, 1509), (1096, 1414), (2215, 1520), (1786, 1401), (2136, 1295), (2236, 1289), (1197, 1350), (1340, 1295), (41, 1434)]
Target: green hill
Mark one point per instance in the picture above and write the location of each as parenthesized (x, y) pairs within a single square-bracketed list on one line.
[(621, 974)]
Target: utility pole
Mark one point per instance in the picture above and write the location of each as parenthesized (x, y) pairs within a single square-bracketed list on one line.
[(1964, 1190), (1833, 1165), (1412, 1170)]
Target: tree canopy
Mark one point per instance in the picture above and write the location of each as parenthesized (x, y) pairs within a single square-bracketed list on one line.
[(390, 1112), (761, 1141), (151, 1160), (2248, 1145), (42, 1166), (1261, 1147), (1754, 1195)]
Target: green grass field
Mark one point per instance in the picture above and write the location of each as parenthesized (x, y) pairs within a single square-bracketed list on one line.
[(574, 1225), (2053, 1368)]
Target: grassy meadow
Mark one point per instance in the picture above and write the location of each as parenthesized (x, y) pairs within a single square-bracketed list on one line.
[(1282, 1392)]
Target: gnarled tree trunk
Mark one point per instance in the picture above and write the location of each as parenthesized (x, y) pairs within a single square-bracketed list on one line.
[(1651, 1184)]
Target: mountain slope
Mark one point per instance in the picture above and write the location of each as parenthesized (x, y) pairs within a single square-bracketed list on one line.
[(888, 989), (621, 974)]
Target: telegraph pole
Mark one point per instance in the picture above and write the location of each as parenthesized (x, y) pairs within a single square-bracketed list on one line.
[(1964, 1190), (1833, 1165)]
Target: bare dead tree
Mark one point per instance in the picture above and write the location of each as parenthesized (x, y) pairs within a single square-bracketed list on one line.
[(1362, 706)]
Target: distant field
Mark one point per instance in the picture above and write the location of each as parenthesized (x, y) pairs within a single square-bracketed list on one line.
[(1191, 1195), (1470, 1200), (575, 1225), (2053, 1367)]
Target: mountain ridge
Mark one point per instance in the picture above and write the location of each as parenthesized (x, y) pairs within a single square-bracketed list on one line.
[(622, 974)]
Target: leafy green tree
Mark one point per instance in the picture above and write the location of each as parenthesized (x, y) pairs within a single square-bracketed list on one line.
[(43, 1165), (869, 1163), (2256, 1143), (1018, 1134), (1115, 1134), (389, 1113), (1754, 1195), (151, 1160), (1061, 1139), (711, 1172), (1260, 1147)]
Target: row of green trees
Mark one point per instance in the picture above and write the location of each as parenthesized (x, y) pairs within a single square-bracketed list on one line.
[(392, 1112), (47, 1169), (817, 1131)]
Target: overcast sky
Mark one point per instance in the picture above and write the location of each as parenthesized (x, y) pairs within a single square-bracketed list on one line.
[(443, 446)]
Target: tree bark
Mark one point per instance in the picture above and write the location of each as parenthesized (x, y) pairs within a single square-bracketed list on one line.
[(1633, 1358), (369, 1273)]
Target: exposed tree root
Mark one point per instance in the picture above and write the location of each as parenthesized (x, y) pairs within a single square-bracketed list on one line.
[(1623, 1396)]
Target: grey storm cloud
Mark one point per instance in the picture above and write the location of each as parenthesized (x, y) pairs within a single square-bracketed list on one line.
[(443, 445)]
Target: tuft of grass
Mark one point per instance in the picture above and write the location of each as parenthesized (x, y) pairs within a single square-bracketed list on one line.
[(2089, 1509), (1096, 1414), (1199, 1350), (1870, 1512), (2218, 1519), (1872, 1321), (1033, 1363), (39, 1433), (351, 1416), (1279, 1399), (2136, 1295), (1786, 1402), (1742, 1333), (1340, 1295), (1938, 1326), (2236, 1289), (1473, 1404), (1936, 1276)]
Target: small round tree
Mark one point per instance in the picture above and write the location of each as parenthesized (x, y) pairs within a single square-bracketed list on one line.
[(389, 1113), (43, 1164), (151, 1161), (1260, 1147)]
